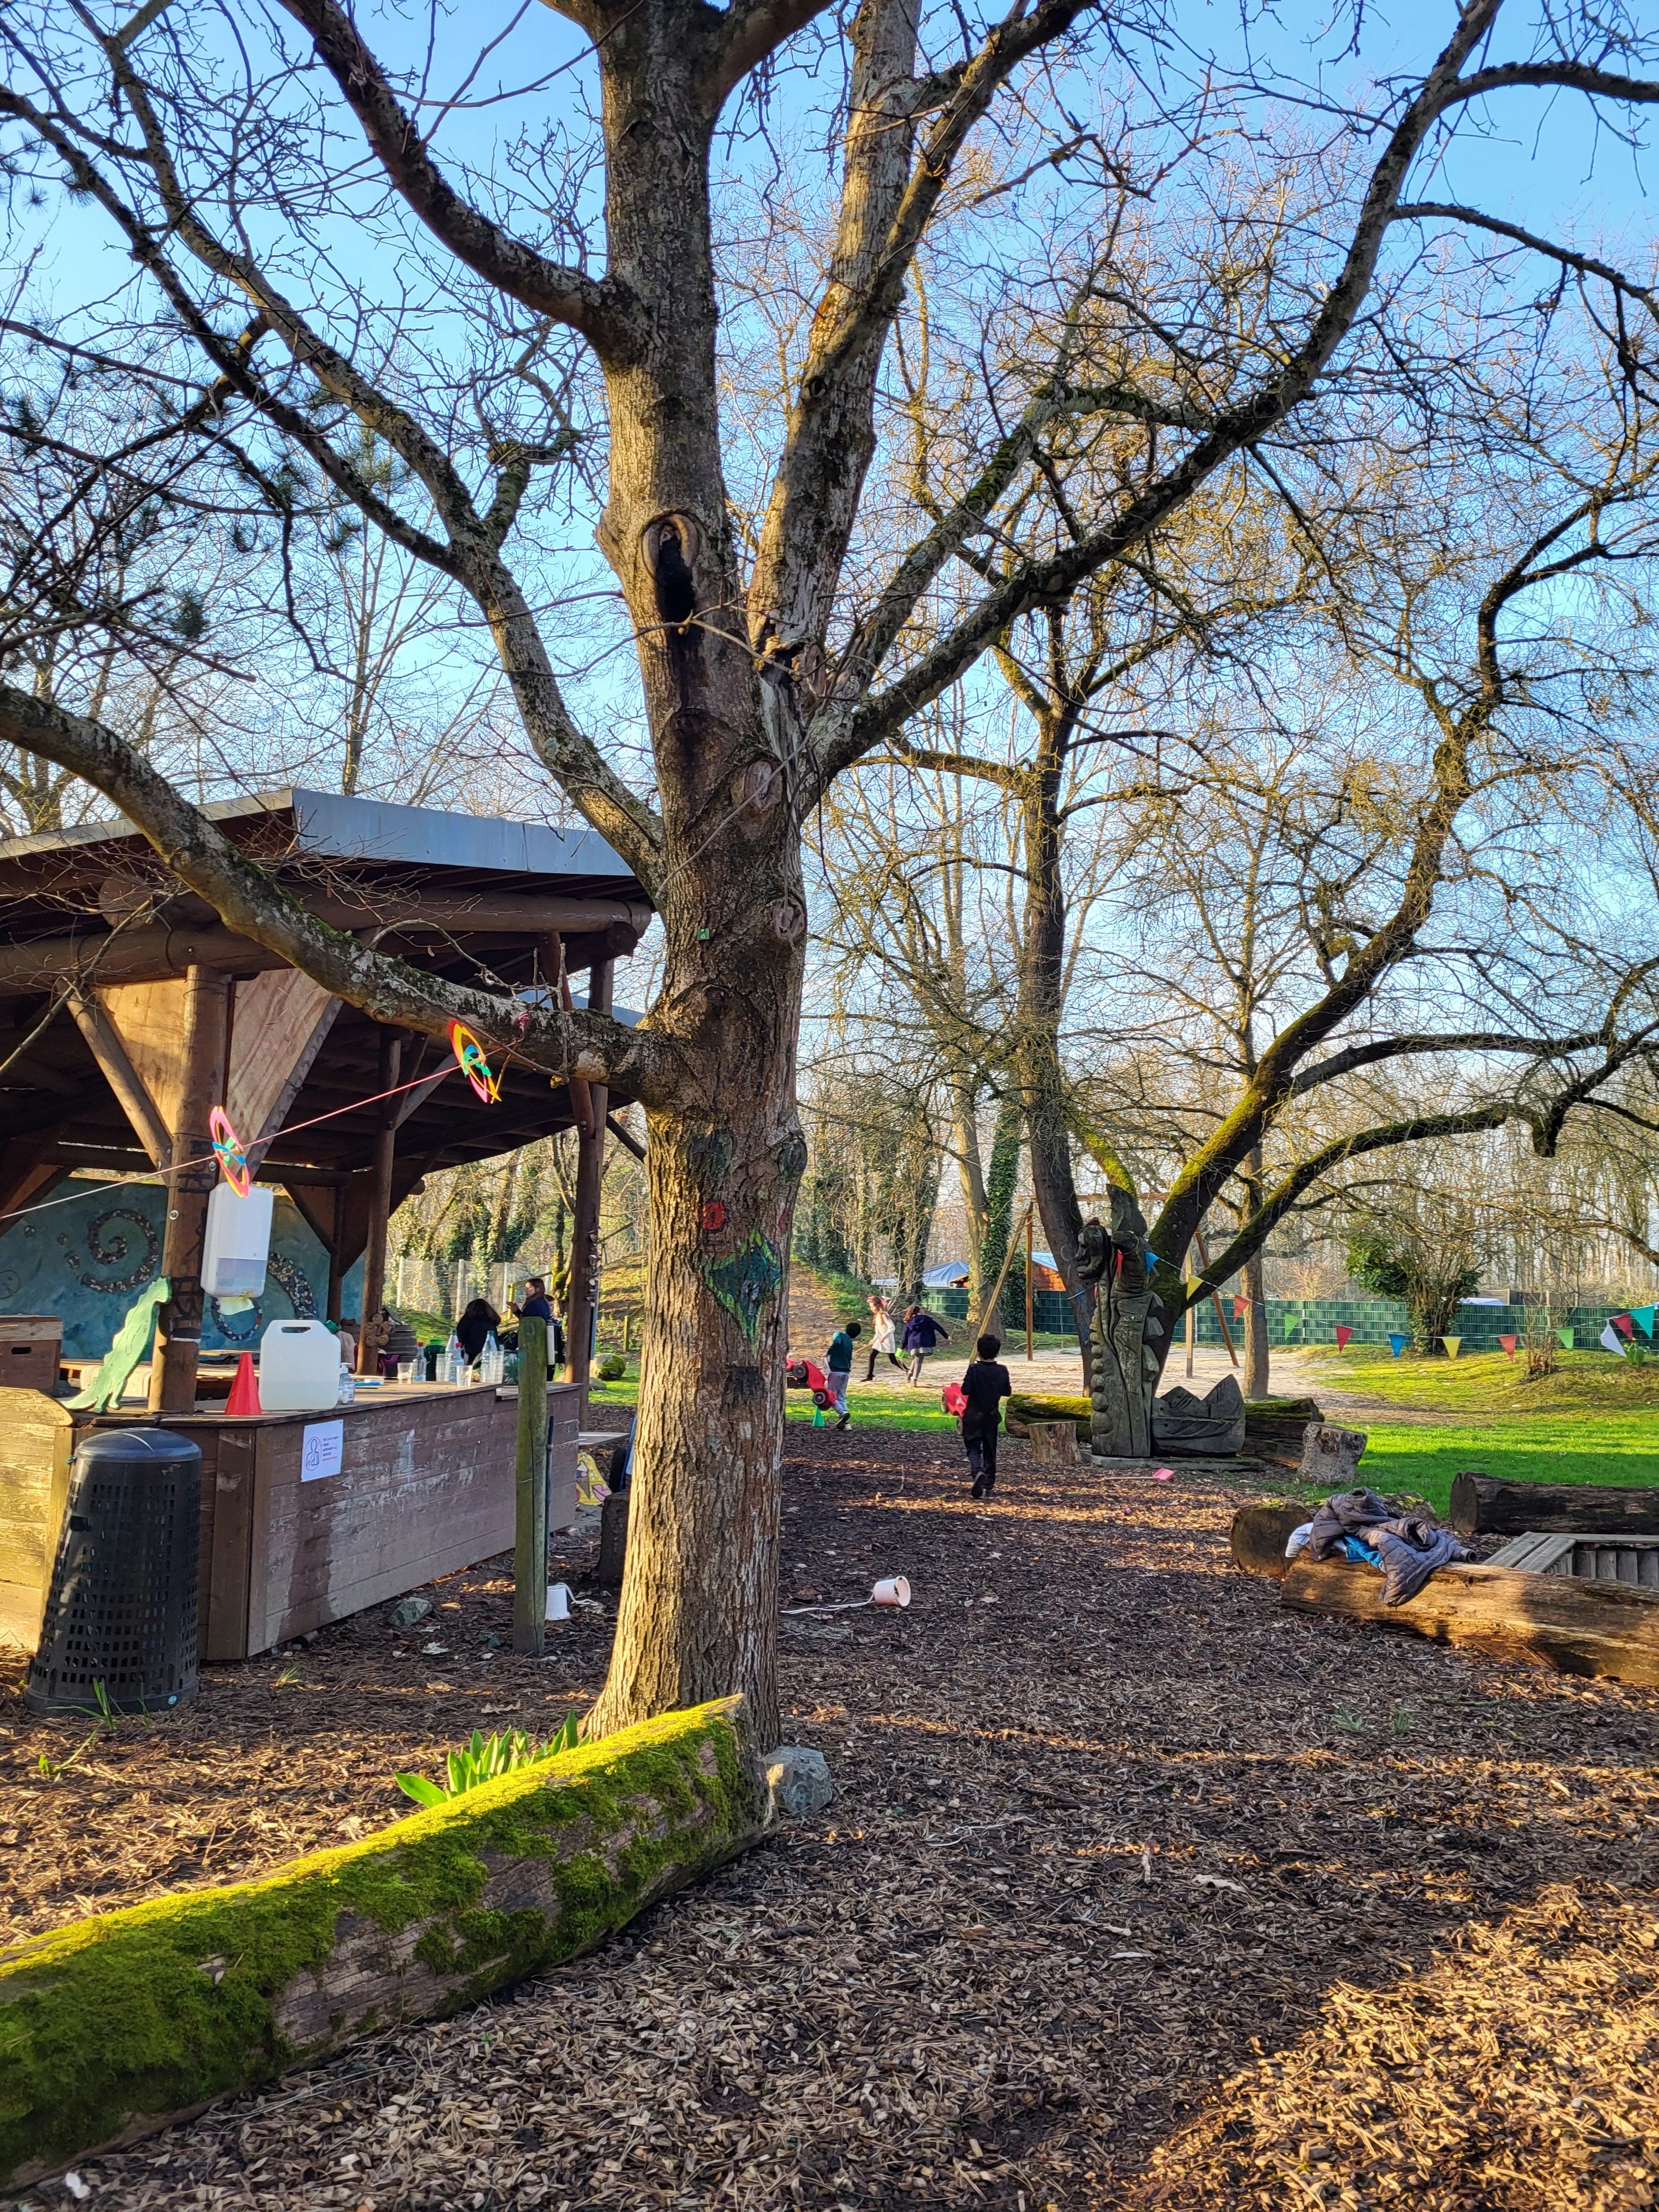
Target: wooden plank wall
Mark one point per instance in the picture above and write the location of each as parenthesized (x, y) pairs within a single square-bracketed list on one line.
[(36, 1434), (426, 1487)]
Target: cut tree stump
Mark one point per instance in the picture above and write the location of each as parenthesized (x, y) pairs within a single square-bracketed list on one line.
[(119, 2025), (1481, 1506), (1604, 1629), (1053, 1442), (1259, 1536)]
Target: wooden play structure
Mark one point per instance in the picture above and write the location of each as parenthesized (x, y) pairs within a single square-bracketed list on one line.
[(133, 1012), (142, 1013)]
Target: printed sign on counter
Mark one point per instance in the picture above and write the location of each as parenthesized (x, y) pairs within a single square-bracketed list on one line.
[(322, 1450)]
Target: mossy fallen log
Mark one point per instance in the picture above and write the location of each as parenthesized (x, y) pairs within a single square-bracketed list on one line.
[(1599, 1629), (1026, 1406), (1481, 1507), (117, 2024)]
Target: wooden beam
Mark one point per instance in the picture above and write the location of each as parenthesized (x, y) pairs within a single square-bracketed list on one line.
[(625, 1137), (601, 928), (201, 1086), (583, 1301), (105, 1044), (279, 1022), (319, 1219), (1481, 1507), (380, 1196), (25, 1173), (1603, 1629)]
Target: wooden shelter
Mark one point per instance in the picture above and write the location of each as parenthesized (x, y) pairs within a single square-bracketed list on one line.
[(128, 1011)]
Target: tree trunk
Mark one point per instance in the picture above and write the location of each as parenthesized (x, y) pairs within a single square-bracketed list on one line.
[(1256, 1332), (964, 1114), (1256, 1384), (1038, 1005), (698, 1616), (999, 1186)]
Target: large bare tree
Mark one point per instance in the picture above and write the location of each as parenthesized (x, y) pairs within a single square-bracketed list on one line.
[(768, 660)]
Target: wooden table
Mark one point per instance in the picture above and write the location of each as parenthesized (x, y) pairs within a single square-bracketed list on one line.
[(308, 1517)]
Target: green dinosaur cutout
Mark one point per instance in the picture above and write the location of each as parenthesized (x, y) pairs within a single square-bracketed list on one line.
[(132, 1343)]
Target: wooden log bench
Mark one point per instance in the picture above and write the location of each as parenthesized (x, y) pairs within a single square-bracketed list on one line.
[(1259, 1536), (1481, 1506), (1605, 1629)]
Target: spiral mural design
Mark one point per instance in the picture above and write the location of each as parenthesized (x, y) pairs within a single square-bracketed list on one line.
[(115, 1236)]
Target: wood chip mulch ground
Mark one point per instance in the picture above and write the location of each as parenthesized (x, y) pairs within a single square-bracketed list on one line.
[(1136, 1892)]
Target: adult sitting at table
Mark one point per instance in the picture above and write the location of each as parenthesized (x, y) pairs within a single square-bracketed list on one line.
[(534, 1306), (475, 1329)]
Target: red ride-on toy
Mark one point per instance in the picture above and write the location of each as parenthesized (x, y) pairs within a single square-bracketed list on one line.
[(806, 1375)]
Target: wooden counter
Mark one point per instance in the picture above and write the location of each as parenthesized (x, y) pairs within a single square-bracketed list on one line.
[(308, 1517)]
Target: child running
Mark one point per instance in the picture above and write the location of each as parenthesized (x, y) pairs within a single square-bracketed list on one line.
[(838, 1367), (985, 1386)]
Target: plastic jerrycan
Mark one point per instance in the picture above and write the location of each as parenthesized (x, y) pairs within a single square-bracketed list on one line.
[(299, 1367)]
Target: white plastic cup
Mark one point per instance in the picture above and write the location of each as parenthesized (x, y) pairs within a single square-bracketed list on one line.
[(895, 1590), (558, 1602), (405, 1370)]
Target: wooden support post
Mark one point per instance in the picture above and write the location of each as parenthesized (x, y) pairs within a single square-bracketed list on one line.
[(335, 1246), (179, 1326), (584, 1298), (994, 1301), (1030, 1352), (1191, 1330), (380, 1199), (1215, 1296), (530, 1505)]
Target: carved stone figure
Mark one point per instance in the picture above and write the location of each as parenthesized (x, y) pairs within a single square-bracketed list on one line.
[(1209, 1428), (1129, 1331)]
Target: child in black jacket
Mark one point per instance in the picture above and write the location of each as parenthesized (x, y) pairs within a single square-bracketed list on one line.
[(985, 1386)]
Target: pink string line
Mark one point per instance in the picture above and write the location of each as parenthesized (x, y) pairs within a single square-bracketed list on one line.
[(292, 1129)]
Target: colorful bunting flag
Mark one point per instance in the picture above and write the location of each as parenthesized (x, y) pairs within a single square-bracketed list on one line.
[(1612, 1341), (1508, 1344), (1343, 1332), (1454, 1345), (1241, 1307), (1397, 1344), (1291, 1325), (1642, 1316), (1625, 1324), (1565, 1338)]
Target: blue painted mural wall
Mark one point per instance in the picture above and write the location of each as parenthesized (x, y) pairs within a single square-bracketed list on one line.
[(87, 1260)]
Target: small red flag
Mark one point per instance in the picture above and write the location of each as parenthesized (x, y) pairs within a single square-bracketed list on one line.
[(1343, 1332), (1241, 1307), (1625, 1323), (1508, 1344)]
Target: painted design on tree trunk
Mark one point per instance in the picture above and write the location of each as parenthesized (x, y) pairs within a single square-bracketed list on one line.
[(709, 1157), (747, 1281), (711, 1217), (1128, 1327)]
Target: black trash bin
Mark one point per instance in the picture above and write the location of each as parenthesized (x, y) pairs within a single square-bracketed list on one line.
[(121, 1609)]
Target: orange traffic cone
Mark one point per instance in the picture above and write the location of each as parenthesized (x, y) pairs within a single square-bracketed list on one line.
[(244, 1390)]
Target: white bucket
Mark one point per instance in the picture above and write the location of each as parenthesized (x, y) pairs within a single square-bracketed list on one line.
[(894, 1591), (558, 1602)]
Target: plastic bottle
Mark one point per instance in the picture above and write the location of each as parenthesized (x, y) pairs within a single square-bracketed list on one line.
[(452, 1366)]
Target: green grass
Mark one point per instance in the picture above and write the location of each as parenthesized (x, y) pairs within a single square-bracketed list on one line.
[(1595, 1420), (1489, 1384)]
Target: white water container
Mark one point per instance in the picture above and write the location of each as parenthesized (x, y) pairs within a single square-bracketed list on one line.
[(237, 1248), (299, 1367)]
